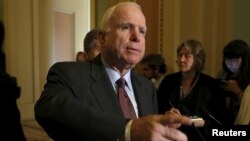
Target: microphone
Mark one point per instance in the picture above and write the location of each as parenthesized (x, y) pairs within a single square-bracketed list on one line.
[(208, 114)]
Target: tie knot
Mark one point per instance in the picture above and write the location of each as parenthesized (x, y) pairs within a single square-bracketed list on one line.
[(121, 82)]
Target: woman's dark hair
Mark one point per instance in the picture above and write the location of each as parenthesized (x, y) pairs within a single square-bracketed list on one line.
[(196, 48), (236, 49)]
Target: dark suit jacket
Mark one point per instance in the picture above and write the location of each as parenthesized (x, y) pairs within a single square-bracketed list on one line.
[(79, 102)]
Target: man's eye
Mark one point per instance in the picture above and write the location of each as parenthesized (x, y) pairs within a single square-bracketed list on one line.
[(125, 27), (142, 31)]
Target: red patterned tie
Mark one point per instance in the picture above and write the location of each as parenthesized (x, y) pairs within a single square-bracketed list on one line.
[(125, 103)]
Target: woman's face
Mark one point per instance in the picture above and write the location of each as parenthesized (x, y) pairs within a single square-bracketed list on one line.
[(185, 60), (233, 64)]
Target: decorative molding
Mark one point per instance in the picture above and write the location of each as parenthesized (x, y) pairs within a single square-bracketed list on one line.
[(161, 26)]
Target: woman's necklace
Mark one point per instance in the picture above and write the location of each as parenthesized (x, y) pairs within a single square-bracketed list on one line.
[(187, 86)]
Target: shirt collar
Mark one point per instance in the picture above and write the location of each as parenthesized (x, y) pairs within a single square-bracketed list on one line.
[(114, 75)]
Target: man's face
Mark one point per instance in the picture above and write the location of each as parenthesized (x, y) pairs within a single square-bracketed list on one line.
[(80, 57), (125, 42), (147, 71)]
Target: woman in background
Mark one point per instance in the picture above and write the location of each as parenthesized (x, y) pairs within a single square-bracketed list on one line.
[(234, 76), (191, 91)]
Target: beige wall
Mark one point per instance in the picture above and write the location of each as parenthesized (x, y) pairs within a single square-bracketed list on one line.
[(19, 49), (31, 41), (209, 21), (213, 22), (242, 20)]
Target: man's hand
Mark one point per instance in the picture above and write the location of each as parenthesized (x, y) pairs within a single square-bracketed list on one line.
[(159, 127)]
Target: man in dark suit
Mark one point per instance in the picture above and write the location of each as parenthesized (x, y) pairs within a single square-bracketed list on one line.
[(79, 101)]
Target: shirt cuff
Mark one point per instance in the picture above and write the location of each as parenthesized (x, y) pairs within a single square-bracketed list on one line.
[(127, 131)]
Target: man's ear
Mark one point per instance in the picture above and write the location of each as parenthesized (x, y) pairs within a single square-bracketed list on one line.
[(102, 35)]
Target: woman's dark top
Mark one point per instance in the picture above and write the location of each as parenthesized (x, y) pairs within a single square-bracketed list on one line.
[(232, 101), (204, 99)]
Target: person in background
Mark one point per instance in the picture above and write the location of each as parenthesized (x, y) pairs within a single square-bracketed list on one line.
[(11, 128), (154, 68), (191, 91), (80, 100), (80, 56), (243, 116), (91, 44), (234, 76)]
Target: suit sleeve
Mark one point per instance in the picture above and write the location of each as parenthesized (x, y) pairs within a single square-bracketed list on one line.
[(65, 117)]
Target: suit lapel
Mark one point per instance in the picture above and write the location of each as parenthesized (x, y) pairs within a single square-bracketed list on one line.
[(106, 96), (103, 89), (142, 97)]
